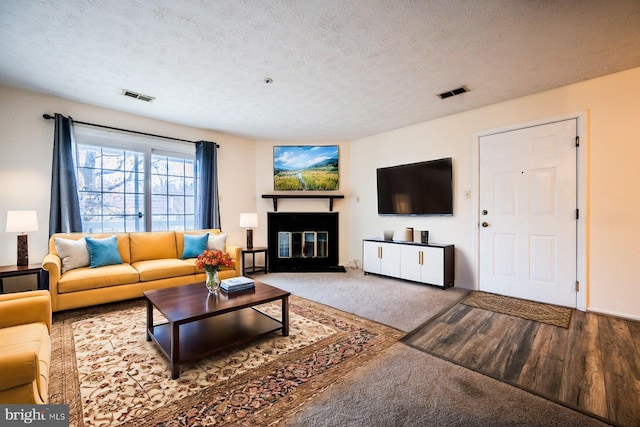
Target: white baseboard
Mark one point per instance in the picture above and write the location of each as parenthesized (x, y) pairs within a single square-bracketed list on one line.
[(613, 313)]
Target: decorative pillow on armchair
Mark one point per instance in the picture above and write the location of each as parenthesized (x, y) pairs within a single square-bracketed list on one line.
[(72, 253)]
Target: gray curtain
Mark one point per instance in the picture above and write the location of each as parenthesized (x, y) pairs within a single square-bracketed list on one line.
[(64, 213), (207, 176)]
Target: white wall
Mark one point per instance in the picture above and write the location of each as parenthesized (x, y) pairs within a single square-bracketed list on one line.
[(26, 147), (612, 104)]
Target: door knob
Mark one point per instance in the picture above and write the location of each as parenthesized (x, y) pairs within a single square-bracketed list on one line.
[(485, 224)]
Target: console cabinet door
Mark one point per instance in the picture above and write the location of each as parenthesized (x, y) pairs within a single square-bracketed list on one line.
[(433, 266), (371, 257), (423, 264), (381, 258), (410, 262), (390, 262)]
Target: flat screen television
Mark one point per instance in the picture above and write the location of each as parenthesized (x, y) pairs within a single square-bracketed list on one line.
[(423, 188)]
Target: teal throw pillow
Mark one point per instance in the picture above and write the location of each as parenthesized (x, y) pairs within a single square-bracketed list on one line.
[(103, 251), (194, 245)]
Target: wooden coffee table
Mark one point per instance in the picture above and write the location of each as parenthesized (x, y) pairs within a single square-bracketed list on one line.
[(201, 324)]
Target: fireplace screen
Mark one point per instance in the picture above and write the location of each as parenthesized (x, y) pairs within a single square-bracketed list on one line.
[(303, 244)]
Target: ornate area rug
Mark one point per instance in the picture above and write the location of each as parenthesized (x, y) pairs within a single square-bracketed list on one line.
[(103, 367), (530, 310)]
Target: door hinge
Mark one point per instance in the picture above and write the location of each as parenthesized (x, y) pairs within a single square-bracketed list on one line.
[(577, 141), (577, 213), (577, 286)]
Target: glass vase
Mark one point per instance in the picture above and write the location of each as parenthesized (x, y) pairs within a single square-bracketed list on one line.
[(212, 282)]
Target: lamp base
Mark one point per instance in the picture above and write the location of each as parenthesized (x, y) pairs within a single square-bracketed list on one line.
[(249, 238), (23, 250)]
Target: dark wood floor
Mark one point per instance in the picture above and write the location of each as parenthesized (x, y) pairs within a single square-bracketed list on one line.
[(594, 366)]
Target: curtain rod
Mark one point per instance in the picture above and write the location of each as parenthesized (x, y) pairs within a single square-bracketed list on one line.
[(50, 117)]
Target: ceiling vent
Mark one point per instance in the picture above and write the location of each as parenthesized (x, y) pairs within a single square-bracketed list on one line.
[(453, 92), (137, 95)]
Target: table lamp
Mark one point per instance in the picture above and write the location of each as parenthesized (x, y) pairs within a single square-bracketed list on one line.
[(21, 222), (249, 221)]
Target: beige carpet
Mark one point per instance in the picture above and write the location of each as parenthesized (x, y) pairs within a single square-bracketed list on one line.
[(396, 303), (530, 310), (103, 367)]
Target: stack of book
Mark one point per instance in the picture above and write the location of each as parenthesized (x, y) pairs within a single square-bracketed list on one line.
[(236, 284)]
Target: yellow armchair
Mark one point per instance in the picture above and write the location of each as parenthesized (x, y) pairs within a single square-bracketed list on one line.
[(25, 347)]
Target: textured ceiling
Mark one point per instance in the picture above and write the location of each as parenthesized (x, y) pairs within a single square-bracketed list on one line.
[(341, 70)]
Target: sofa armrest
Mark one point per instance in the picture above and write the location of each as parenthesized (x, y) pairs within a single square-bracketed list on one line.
[(18, 368), (236, 254), (20, 308), (53, 264)]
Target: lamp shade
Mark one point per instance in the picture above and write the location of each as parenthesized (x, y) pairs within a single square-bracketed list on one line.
[(22, 221), (248, 220)]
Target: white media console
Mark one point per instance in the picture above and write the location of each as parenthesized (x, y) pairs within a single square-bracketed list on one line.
[(417, 262)]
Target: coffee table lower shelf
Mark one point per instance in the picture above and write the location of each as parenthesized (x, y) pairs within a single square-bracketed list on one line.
[(200, 338)]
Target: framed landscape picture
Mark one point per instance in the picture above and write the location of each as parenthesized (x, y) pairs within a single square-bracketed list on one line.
[(305, 167)]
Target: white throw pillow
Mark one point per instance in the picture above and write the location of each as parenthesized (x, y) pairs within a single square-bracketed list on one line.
[(217, 241), (73, 253)]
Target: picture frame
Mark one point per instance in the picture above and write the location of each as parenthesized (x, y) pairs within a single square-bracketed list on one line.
[(306, 167)]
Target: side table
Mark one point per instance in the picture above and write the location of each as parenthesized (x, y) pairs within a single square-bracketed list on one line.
[(253, 268), (14, 270)]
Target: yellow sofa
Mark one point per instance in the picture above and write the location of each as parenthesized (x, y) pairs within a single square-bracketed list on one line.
[(25, 347), (150, 260)]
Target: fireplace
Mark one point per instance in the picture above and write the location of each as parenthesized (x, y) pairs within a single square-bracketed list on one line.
[(303, 241)]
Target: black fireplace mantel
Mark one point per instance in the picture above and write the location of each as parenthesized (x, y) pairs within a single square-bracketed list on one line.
[(275, 198)]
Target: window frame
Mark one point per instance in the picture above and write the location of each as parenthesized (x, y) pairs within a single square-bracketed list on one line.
[(146, 145)]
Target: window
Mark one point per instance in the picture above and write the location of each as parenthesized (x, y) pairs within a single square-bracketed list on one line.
[(172, 193), (110, 189), (127, 183)]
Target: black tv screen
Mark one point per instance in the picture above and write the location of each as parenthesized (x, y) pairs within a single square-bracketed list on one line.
[(423, 188)]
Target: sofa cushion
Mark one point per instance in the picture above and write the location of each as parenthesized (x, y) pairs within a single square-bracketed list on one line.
[(82, 279), (194, 245), (152, 245), (163, 268), (72, 253), (103, 251), (29, 346)]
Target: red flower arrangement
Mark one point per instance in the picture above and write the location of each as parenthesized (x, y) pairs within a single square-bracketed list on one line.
[(212, 260)]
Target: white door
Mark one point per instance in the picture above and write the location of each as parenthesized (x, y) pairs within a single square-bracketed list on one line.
[(528, 213)]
